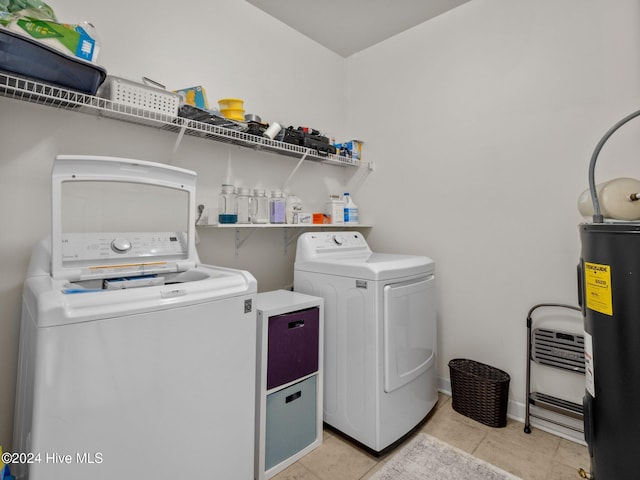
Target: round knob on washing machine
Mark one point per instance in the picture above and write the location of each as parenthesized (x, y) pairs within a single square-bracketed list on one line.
[(338, 239), (120, 245)]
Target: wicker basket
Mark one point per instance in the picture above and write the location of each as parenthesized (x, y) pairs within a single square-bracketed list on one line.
[(479, 391)]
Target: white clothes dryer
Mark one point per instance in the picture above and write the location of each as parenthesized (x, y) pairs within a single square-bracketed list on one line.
[(136, 360), (380, 369)]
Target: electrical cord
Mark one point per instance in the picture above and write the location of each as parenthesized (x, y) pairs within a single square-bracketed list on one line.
[(200, 212), (597, 216)]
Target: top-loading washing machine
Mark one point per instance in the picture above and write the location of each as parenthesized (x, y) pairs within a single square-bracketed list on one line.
[(380, 369), (136, 360)]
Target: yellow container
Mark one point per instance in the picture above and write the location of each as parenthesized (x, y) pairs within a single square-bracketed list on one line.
[(231, 103), (233, 114)]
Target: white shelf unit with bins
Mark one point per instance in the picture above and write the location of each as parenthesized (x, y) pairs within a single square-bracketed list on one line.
[(43, 94), (289, 379)]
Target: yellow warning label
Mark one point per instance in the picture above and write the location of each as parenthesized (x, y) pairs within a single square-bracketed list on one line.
[(597, 279)]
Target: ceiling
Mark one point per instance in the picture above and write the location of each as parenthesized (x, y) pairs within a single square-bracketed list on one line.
[(349, 26)]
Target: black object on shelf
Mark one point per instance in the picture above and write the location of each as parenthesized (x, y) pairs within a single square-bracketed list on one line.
[(307, 139)]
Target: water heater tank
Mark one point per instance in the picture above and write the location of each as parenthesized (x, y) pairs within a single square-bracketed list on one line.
[(610, 300)]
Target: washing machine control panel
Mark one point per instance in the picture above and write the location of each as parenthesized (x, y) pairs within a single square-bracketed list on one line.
[(120, 245), (106, 247)]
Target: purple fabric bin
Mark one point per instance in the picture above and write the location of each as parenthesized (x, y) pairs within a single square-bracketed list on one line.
[(293, 346)]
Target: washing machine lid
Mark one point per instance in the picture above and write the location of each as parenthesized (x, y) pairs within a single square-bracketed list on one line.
[(120, 217), (347, 254), (55, 302), (372, 266)]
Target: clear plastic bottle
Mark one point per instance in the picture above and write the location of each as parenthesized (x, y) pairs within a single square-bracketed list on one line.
[(227, 204), (350, 210), (259, 206), (244, 205), (277, 207)]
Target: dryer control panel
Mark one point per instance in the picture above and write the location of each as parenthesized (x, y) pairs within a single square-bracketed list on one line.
[(312, 245)]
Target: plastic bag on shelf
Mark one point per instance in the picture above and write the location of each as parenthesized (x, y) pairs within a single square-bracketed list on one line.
[(29, 8), (37, 21)]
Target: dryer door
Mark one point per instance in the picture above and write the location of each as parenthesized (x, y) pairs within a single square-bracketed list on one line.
[(409, 330)]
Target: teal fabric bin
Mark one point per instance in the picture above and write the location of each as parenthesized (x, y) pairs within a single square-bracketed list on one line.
[(290, 421)]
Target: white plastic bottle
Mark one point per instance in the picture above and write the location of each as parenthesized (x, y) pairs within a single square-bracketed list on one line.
[(335, 209), (350, 210), (292, 205)]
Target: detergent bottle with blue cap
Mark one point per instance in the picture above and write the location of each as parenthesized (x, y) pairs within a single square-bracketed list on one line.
[(5, 473)]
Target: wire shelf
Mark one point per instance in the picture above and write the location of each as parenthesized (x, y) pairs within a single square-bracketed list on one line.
[(31, 91)]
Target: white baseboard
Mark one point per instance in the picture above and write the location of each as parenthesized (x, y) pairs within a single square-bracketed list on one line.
[(517, 411), (444, 385)]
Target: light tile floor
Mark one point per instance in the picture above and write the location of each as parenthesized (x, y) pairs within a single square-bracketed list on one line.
[(536, 456)]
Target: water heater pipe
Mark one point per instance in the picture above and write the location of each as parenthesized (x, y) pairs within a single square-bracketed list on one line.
[(597, 216)]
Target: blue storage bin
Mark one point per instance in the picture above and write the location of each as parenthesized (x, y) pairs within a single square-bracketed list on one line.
[(27, 58)]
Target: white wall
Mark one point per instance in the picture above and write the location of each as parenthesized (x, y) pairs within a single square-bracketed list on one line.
[(233, 50), (481, 123)]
